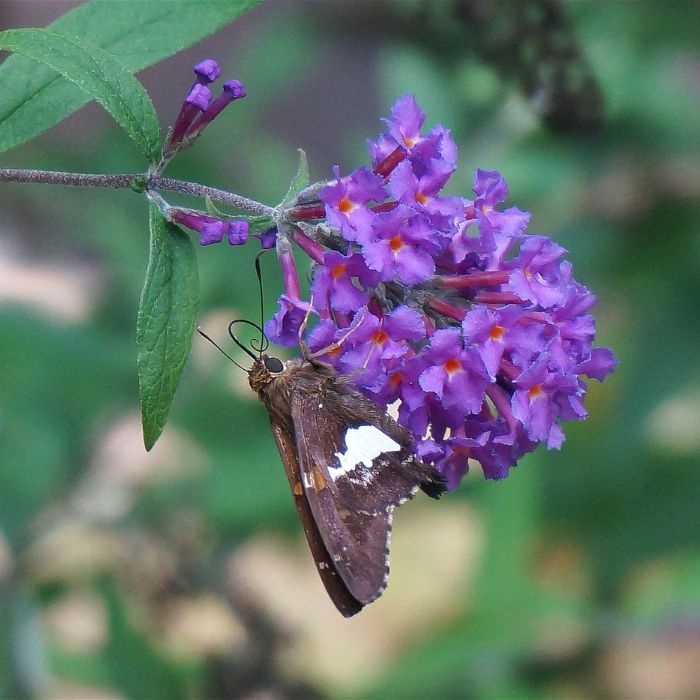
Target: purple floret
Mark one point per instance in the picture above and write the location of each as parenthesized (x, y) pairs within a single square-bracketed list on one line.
[(283, 327), (403, 245)]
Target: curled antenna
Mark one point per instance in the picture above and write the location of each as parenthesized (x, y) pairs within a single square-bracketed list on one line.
[(260, 347), (218, 347)]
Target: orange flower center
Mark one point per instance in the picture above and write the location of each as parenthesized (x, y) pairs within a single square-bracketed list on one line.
[(345, 205), (379, 337), (395, 378), (410, 142), (535, 391), (335, 351), (396, 244), (421, 198), (453, 365), (338, 270), (497, 332)]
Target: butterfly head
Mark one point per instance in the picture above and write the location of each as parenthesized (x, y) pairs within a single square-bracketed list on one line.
[(264, 370)]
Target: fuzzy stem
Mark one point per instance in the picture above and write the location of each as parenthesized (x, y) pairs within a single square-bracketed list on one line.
[(234, 200), (130, 181)]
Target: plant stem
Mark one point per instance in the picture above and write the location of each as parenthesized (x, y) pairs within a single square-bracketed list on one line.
[(234, 200), (127, 181)]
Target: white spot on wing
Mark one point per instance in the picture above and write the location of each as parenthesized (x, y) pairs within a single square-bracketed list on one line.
[(362, 446)]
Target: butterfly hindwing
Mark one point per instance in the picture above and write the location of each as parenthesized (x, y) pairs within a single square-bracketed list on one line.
[(357, 541), (346, 603)]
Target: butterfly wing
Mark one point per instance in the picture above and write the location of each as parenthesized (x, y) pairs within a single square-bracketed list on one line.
[(356, 464), (348, 465), (346, 603), (366, 458)]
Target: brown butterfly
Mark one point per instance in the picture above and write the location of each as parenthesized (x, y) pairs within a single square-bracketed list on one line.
[(349, 464)]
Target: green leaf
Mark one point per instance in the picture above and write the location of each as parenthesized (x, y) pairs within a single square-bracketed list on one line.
[(140, 33), (212, 208), (165, 321), (260, 224), (300, 181), (98, 74)]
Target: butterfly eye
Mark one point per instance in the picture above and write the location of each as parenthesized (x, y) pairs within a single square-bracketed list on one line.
[(274, 365)]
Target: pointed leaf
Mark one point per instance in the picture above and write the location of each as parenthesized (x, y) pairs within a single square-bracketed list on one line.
[(34, 97), (98, 74), (300, 181), (260, 224), (165, 322)]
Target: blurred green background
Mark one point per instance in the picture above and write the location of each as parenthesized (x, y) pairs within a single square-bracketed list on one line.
[(182, 573)]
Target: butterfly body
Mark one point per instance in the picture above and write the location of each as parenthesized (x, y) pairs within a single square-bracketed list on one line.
[(348, 464)]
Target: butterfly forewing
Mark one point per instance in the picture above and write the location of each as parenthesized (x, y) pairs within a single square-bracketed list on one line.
[(366, 459)]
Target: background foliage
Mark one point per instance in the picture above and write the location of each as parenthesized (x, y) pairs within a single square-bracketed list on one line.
[(180, 573)]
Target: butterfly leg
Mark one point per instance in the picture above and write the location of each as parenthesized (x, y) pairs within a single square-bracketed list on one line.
[(338, 343), (302, 329)]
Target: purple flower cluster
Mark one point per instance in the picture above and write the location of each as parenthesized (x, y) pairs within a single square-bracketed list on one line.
[(442, 305)]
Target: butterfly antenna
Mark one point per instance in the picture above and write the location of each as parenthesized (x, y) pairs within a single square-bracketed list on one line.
[(264, 342), (218, 347), (258, 347)]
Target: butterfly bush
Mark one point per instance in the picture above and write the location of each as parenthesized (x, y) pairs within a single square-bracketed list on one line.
[(443, 306)]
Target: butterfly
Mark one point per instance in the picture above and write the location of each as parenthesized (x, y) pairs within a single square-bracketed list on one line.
[(349, 464)]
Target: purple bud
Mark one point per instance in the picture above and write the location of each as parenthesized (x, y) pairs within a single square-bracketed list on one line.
[(195, 103), (200, 96), (210, 229), (268, 239), (290, 276), (237, 232), (232, 90), (212, 232), (207, 71), (189, 219), (235, 88)]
